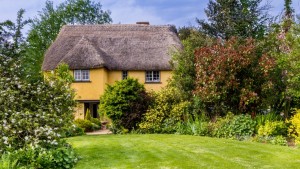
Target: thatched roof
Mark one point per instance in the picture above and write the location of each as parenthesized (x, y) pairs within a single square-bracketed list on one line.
[(116, 47)]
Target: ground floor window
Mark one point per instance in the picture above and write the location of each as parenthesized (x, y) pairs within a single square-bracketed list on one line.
[(124, 74)]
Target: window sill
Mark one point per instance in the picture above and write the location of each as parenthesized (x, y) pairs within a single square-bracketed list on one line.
[(153, 83), (82, 81)]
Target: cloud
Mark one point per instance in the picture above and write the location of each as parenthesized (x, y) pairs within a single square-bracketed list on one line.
[(9, 8)]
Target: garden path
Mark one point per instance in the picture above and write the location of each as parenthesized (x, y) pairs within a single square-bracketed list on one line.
[(98, 132)]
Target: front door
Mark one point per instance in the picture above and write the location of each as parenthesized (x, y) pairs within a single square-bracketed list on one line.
[(92, 107)]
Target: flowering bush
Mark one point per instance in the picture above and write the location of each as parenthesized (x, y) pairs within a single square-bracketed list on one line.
[(294, 128), (33, 114), (167, 110), (273, 128)]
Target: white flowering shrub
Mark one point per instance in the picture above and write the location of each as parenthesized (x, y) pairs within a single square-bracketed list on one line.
[(33, 114)]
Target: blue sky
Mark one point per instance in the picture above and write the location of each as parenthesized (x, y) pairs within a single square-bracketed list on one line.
[(176, 12)]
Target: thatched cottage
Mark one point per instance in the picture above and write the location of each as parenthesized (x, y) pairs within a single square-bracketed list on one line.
[(102, 54)]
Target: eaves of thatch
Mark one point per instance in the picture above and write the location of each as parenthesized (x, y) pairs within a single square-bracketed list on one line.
[(115, 46)]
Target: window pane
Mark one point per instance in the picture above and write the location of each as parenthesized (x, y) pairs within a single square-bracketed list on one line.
[(77, 75), (85, 74), (156, 76)]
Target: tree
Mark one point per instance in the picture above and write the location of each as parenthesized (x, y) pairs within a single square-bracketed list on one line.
[(11, 37), (240, 18), (233, 76), (84, 12), (283, 43), (125, 102), (183, 75), (45, 28)]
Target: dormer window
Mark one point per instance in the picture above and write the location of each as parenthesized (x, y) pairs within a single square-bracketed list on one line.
[(82, 75)]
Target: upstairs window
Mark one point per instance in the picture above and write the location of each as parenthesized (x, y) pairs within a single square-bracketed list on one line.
[(124, 75), (152, 76), (82, 75)]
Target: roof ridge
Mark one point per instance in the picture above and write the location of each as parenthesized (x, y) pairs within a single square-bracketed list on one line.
[(118, 25)]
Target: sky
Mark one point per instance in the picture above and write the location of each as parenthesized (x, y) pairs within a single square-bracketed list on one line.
[(157, 12)]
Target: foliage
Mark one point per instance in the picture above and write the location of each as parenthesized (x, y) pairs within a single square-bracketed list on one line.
[(273, 128), (11, 38), (232, 76), (294, 128), (183, 74), (46, 26), (32, 113), (286, 53), (261, 119), (282, 44), (7, 163), (74, 130), (87, 125), (167, 110), (277, 140), (197, 127), (241, 18), (61, 157), (234, 126), (96, 121), (88, 115), (125, 102)]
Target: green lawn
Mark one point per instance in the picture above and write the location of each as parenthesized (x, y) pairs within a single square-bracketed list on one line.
[(178, 151)]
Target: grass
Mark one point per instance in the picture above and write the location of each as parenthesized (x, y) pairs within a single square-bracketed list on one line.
[(179, 151)]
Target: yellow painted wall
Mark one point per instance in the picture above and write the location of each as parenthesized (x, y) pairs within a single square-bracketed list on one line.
[(100, 77), (79, 111), (140, 75), (94, 88), (113, 76)]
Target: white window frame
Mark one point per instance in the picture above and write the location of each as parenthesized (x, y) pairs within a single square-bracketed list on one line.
[(82, 75), (152, 76), (124, 74)]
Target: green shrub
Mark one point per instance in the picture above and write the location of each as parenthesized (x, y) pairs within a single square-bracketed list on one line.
[(261, 119), (124, 103), (234, 127), (7, 163), (273, 128), (294, 128), (87, 125), (96, 121), (167, 110), (219, 128), (88, 115), (278, 140), (197, 127), (60, 157), (74, 130)]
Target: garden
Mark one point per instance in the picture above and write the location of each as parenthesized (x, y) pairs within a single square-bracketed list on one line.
[(233, 100)]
